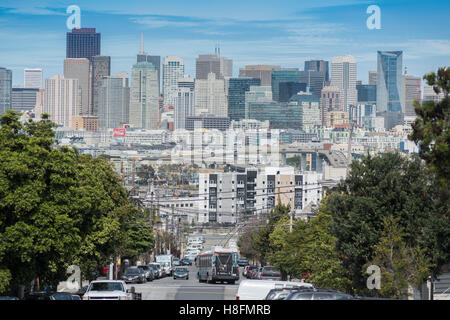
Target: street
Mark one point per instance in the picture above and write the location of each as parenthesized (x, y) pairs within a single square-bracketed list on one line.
[(170, 289)]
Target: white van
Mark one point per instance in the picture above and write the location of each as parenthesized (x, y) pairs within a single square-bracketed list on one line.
[(258, 289), (195, 246)]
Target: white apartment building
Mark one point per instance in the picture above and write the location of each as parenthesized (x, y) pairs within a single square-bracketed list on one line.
[(225, 197)]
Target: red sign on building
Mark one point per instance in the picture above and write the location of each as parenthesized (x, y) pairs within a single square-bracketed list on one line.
[(119, 132)]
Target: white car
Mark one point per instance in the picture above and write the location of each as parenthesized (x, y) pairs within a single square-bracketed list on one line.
[(108, 290), (258, 290)]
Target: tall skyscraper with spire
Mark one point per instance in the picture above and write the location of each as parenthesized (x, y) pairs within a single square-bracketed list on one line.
[(144, 57)]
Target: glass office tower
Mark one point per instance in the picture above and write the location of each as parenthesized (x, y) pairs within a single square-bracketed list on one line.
[(389, 81), (237, 87), (283, 75)]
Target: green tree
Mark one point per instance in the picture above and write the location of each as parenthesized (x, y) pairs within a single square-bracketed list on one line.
[(402, 267), (145, 172), (58, 207), (262, 237), (378, 187), (309, 251), (431, 130)]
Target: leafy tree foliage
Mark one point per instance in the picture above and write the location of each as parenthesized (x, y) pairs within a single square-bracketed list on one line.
[(58, 207), (431, 130), (309, 251), (401, 266), (378, 187)]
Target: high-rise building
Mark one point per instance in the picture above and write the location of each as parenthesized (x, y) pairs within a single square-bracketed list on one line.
[(61, 99), (289, 89), (237, 87), (213, 63), (310, 110), (315, 80), (389, 87), (367, 93), (113, 101), (184, 103), (343, 76), (430, 95), (373, 78), (210, 96), (318, 66), (5, 90), (173, 69), (101, 67), (32, 78), (329, 101), (83, 43), (257, 94), (262, 72), (24, 99), (389, 81), (144, 96), (282, 75), (411, 92), (80, 69), (40, 101), (155, 60)]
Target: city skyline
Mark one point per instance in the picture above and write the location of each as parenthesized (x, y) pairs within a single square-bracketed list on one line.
[(288, 36)]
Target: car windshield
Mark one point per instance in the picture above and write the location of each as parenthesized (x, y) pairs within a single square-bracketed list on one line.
[(62, 296), (180, 270), (132, 271), (106, 286), (144, 267)]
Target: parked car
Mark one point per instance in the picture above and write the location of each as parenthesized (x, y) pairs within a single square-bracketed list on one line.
[(158, 267), (255, 272), (318, 294), (279, 293), (181, 273), (258, 290), (186, 261), (49, 296), (242, 262), (134, 275), (148, 272), (269, 273), (8, 298), (176, 262), (109, 290), (248, 271), (155, 271)]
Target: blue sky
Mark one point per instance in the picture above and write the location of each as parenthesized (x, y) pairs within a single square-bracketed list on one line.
[(283, 32)]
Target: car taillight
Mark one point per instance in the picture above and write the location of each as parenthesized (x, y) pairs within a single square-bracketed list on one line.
[(237, 297)]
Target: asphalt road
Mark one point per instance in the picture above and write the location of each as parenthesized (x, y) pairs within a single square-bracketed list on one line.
[(191, 289), (180, 289)]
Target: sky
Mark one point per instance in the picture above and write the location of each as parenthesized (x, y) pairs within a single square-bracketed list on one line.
[(283, 32)]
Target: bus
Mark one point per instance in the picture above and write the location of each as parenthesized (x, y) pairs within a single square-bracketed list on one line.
[(218, 264)]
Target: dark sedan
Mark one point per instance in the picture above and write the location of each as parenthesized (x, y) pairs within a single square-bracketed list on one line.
[(134, 275), (181, 273), (186, 262)]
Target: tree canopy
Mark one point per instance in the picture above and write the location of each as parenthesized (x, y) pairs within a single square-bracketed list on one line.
[(58, 207)]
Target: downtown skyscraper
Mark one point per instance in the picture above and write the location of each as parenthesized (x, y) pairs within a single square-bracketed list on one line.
[(173, 69), (390, 87), (83, 43), (343, 76), (32, 78), (207, 63), (113, 101), (144, 96)]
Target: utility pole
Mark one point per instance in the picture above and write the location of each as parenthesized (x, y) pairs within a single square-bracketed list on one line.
[(349, 151)]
